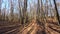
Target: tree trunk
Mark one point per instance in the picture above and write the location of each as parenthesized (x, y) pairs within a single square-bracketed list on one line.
[(25, 11), (0, 8), (20, 15), (38, 10), (11, 13), (57, 14)]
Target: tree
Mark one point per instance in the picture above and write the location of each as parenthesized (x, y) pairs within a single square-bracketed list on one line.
[(20, 11), (0, 8), (11, 10), (42, 10), (30, 15), (5, 12), (20, 16), (25, 11), (46, 9), (38, 10), (57, 14)]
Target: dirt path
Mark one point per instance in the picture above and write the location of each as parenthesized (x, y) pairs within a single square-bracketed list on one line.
[(34, 27)]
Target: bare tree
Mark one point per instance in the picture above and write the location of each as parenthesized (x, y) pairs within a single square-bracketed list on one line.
[(31, 12), (25, 11), (42, 9), (0, 8), (4, 12), (57, 14), (11, 10), (46, 9), (38, 10), (20, 15)]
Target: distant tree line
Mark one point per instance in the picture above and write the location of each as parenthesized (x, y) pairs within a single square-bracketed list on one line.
[(38, 11)]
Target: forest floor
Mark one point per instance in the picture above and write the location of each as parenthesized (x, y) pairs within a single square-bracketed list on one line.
[(33, 28), (38, 28)]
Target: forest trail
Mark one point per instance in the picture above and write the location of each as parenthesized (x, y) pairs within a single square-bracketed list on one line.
[(35, 28), (32, 28)]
